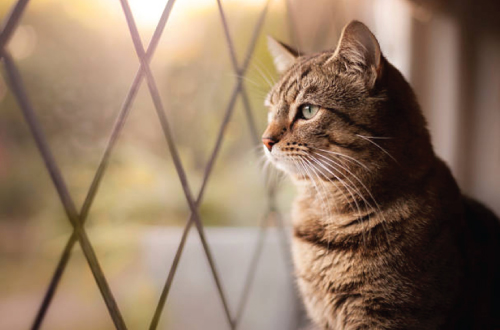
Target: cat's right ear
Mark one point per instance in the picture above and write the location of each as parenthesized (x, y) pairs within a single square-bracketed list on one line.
[(284, 56), (359, 47)]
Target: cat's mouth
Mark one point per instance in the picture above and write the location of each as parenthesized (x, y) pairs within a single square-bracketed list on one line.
[(291, 160), (312, 163)]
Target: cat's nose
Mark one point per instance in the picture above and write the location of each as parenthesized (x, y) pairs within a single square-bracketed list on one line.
[(269, 142)]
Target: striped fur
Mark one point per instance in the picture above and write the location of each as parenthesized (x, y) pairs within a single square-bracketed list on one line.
[(383, 238)]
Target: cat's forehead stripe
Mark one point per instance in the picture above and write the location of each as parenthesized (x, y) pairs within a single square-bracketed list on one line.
[(293, 93), (285, 80), (305, 73), (297, 72), (290, 87), (311, 90)]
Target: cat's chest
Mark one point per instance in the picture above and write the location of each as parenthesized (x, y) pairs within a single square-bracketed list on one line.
[(330, 283), (327, 269)]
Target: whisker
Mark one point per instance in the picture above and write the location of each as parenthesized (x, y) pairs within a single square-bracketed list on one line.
[(272, 176), (378, 146), (264, 67), (345, 156), (328, 213), (322, 198), (340, 180), (348, 171), (376, 137), (365, 188), (251, 81), (347, 188), (312, 168), (263, 75)]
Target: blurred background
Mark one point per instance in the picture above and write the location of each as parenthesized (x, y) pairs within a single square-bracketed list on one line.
[(77, 62)]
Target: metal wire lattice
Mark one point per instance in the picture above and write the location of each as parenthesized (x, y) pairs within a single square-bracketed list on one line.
[(78, 218)]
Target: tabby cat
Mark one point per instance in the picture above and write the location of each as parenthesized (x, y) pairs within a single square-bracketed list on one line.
[(382, 236)]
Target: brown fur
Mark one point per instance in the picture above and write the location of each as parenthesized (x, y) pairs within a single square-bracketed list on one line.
[(383, 238)]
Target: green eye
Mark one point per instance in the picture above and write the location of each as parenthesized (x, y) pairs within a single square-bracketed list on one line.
[(309, 110)]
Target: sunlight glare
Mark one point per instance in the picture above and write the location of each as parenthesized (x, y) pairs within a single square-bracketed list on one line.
[(148, 12)]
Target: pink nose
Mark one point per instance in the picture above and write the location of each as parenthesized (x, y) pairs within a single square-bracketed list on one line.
[(268, 142)]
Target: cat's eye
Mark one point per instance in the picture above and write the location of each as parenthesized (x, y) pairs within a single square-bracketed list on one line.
[(308, 110)]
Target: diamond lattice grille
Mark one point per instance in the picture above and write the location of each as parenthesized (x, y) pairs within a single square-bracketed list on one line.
[(77, 217)]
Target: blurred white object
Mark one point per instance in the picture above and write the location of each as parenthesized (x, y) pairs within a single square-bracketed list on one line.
[(193, 301)]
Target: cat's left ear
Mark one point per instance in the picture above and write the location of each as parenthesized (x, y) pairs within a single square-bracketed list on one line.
[(284, 56), (359, 47)]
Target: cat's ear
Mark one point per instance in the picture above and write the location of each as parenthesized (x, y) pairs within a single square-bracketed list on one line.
[(283, 55), (359, 47)]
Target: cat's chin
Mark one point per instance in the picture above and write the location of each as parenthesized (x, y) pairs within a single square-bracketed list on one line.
[(287, 169), (283, 165)]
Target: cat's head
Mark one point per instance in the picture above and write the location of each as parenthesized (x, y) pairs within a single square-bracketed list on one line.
[(343, 111)]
